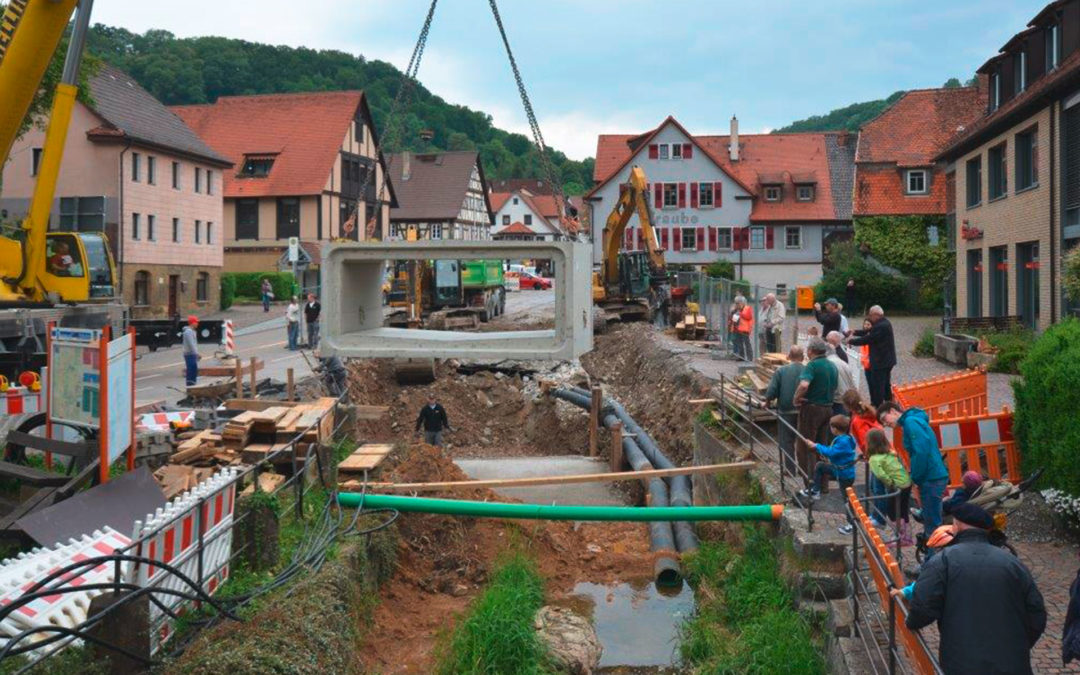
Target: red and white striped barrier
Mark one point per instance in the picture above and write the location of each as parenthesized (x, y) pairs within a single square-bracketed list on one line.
[(18, 575), (20, 400), (160, 421), (172, 535), (228, 339)]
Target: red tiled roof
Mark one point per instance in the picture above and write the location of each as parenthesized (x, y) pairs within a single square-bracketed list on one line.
[(914, 129), (516, 227), (497, 200), (304, 130), (775, 157), (879, 191)]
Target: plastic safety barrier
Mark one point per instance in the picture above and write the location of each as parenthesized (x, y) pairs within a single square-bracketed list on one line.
[(982, 443), (19, 574), (193, 533), (20, 400), (160, 421), (945, 396), (885, 572)]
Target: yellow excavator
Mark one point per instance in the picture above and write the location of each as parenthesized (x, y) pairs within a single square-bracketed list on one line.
[(64, 277), (39, 268), (630, 285)]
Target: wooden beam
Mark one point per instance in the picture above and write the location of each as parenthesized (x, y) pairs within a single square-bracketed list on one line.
[(616, 448), (253, 370), (290, 385), (256, 404), (595, 403), (701, 401), (733, 467), (229, 371), (239, 375)]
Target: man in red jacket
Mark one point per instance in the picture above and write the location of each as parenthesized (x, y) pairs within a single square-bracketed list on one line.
[(742, 326)]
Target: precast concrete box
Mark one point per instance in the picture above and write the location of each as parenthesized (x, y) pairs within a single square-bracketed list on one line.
[(352, 310)]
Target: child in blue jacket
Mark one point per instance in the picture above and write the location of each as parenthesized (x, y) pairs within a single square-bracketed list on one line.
[(837, 460)]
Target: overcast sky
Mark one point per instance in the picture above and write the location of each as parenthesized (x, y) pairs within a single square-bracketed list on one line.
[(606, 66)]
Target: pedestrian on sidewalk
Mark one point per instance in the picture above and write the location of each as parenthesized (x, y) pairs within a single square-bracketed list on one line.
[(781, 389), (741, 326), (772, 315), (882, 354), (292, 323), (311, 315), (267, 294), (1070, 634), (191, 351), (433, 418), (988, 610), (926, 467), (814, 398)]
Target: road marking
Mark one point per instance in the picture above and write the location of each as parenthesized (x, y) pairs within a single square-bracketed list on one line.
[(284, 358), (147, 377)]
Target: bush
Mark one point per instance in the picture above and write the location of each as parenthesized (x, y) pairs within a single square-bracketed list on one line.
[(903, 243), (1046, 425), (1012, 346), (722, 269), (249, 284), (925, 346), (228, 290), (872, 286), (1070, 275)]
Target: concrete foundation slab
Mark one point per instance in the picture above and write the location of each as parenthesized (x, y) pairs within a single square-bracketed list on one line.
[(352, 318)]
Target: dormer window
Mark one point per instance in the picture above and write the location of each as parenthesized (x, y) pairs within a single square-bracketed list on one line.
[(1019, 71), (256, 166), (804, 193), (1053, 46), (773, 193), (995, 90), (915, 182)]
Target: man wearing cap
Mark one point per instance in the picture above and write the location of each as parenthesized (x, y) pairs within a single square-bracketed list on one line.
[(829, 317), (191, 351), (988, 610)]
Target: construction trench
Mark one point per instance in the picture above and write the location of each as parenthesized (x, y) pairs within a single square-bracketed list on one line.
[(623, 576)]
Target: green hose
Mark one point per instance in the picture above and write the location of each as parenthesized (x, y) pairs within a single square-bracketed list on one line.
[(456, 507)]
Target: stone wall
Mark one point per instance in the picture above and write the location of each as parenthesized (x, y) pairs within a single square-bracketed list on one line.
[(158, 290)]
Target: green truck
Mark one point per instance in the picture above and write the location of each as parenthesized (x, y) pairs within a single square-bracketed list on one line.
[(454, 294)]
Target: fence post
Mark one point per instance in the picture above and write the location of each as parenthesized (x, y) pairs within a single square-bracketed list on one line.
[(780, 448), (240, 380), (202, 538), (594, 421), (892, 634), (723, 403), (616, 447), (854, 567), (896, 524), (298, 483), (749, 423)]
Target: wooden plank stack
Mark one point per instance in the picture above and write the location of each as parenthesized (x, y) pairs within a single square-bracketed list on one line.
[(365, 458), (693, 326)]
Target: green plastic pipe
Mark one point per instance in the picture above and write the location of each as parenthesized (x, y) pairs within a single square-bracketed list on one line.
[(459, 507)]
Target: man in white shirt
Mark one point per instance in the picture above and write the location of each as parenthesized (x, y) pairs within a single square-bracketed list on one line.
[(772, 315), (845, 379)]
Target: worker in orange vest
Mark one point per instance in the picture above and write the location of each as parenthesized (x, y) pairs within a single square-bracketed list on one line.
[(741, 326), (864, 351)]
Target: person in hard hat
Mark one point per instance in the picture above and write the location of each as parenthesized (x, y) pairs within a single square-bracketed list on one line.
[(988, 610), (191, 351)]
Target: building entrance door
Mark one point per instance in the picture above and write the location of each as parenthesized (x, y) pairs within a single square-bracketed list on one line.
[(999, 281), (1027, 283), (174, 293)]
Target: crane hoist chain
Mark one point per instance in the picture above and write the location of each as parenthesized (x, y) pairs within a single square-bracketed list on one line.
[(410, 75)]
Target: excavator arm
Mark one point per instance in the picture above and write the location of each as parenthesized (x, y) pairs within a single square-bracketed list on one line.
[(632, 199)]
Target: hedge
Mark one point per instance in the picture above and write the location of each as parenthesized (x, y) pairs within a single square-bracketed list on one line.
[(228, 290), (903, 243), (1046, 425), (872, 286), (249, 284)]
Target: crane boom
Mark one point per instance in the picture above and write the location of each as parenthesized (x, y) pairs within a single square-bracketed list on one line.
[(632, 199)]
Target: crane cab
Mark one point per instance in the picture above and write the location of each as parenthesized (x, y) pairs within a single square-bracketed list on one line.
[(79, 267)]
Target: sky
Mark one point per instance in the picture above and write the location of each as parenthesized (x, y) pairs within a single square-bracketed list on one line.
[(601, 66)]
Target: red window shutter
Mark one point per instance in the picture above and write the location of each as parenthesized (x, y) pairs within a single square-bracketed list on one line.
[(737, 237), (658, 192), (628, 239), (676, 239), (687, 150), (769, 237), (664, 239), (682, 195), (701, 239), (638, 237), (717, 193), (693, 195), (712, 238), (654, 151)]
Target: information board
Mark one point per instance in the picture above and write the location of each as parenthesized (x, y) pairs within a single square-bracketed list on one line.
[(121, 406), (75, 368)]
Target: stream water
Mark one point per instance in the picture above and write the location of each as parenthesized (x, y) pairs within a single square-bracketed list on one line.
[(637, 624)]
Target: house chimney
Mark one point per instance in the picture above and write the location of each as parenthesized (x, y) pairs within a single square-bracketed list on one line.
[(733, 145), (406, 165)]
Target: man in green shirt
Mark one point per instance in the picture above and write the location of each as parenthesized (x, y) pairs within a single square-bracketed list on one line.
[(814, 398), (781, 389)]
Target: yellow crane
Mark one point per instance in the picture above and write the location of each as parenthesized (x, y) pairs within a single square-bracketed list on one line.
[(630, 285), (39, 268)]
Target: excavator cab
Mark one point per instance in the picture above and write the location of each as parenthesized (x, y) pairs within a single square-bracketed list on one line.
[(79, 267), (635, 278)]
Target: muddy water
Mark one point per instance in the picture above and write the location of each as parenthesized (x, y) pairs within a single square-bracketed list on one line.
[(638, 624)]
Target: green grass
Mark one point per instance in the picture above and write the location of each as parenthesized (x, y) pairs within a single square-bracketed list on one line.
[(925, 346), (496, 635), (745, 622)]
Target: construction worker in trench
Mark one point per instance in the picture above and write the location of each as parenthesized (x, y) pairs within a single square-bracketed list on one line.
[(433, 418)]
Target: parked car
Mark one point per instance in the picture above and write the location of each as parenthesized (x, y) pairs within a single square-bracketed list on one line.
[(534, 282)]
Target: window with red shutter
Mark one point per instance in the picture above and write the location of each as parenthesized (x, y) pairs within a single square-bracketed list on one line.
[(712, 238), (654, 151), (682, 195), (769, 237), (717, 194), (629, 243), (658, 195), (639, 247), (676, 238), (701, 239), (737, 237), (687, 150), (693, 195), (664, 239)]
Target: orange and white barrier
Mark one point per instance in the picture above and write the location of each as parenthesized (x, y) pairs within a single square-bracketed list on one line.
[(228, 339), (160, 421), (19, 401), (982, 443), (953, 395)]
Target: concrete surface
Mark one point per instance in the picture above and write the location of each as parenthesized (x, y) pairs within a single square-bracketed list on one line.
[(599, 494)]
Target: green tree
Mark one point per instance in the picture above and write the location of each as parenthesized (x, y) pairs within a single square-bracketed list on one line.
[(903, 242), (952, 83), (848, 118)]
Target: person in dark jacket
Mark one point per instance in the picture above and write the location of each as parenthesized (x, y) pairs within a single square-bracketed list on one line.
[(312, 310), (927, 469), (987, 607), (882, 354), (1070, 635), (829, 317), (433, 418)]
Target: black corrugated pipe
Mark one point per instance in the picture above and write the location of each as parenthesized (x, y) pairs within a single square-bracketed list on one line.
[(679, 486), (663, 536)]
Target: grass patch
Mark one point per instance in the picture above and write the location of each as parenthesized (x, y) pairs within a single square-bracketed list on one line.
[(745, 621), (925, 346), (496, 635)]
